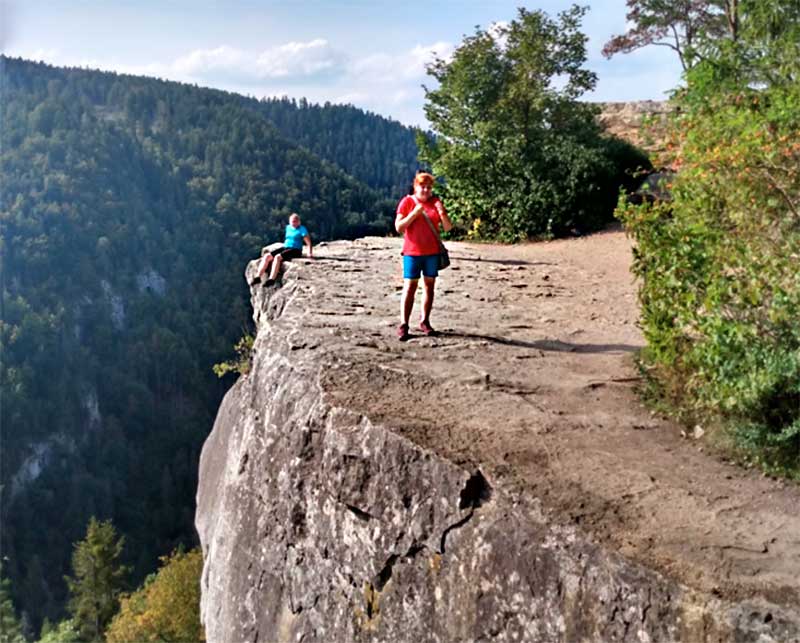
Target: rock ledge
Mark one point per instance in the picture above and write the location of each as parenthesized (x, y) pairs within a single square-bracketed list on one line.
[(326, 520)]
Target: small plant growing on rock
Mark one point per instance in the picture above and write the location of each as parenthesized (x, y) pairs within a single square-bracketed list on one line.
[(241, 363)]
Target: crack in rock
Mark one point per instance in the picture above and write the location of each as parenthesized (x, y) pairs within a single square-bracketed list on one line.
[(359, 513), (457, 525), (476, 492)]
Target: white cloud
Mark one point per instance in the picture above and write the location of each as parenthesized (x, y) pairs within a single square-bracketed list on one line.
[(400, 96), (40, 55), (203, 61), (299, 59), (421, 55), (406, 66), (293, 61)]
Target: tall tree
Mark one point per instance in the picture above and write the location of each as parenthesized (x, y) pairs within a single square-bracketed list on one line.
[(97, 580), (521, 156), (680, 25)]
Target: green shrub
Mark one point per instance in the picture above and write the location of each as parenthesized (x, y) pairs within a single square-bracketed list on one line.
[(718, 265)]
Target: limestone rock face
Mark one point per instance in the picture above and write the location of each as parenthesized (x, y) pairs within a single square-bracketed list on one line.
[(321, 521), (625, 120)]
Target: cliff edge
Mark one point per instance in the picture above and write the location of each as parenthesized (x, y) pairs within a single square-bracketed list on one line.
[(499, 481)]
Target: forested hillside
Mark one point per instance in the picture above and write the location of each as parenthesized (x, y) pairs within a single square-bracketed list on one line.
[(129, 208), (379, 152)]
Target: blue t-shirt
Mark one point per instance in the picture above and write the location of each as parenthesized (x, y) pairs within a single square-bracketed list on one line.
[(294, 237)]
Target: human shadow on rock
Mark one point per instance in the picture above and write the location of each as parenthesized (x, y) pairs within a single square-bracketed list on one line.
[(553, 345), (503, 262), (318, 259)]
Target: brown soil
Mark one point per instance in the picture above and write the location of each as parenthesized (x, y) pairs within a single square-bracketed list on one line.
[(532, 379)]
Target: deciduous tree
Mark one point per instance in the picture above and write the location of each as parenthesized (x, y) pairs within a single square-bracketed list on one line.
[(678, 24), (520, 155), (717, 264), (166, 607)]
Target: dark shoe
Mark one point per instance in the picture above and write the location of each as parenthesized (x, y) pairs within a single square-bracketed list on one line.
[(255, 281), (427, 329), (269, 282), (402, 333)]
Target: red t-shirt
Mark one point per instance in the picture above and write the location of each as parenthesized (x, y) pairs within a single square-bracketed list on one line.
[(419, 238)]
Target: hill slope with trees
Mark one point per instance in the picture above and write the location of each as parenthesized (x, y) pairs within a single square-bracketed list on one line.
[(381, 153), (129, 207)]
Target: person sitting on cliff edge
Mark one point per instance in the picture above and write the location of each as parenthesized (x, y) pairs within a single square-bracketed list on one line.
[(292, 248), (420, 249)]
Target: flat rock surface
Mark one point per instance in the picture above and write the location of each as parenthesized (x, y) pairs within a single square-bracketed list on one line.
[(532, 380)]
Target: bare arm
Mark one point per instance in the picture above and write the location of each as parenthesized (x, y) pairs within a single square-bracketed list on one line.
[(446, 223), (307, 241), (402, 223)]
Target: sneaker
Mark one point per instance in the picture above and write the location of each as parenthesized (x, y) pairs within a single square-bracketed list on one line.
[(427, 329), (255, 281), (402, 333), (268, 282)]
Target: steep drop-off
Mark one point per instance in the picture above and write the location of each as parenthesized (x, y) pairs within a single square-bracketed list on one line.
[(498, 481)]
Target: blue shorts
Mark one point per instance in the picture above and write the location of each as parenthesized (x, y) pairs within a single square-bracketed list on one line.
[(428, 265)]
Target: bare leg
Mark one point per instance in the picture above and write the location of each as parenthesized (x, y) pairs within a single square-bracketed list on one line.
[(428, 283), (262, 267), (407, 301), (276, 267)]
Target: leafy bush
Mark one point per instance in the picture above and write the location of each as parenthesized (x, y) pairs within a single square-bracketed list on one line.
[(720, 286)]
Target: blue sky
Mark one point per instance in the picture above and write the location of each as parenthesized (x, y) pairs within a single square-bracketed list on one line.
[(369, 54)]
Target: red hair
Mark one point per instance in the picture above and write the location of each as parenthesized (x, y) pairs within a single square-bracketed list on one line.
[(424, 178)]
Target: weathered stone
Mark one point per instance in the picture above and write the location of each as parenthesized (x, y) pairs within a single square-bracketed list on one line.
[(626, 120), (320, 522)]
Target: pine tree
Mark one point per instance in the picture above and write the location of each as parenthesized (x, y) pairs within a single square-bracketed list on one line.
[(97, 579), (10, 630)]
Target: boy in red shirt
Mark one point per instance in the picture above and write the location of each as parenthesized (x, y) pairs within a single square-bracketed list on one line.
[(420, 249)]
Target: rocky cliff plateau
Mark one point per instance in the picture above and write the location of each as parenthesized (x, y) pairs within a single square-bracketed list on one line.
[(498, 482)]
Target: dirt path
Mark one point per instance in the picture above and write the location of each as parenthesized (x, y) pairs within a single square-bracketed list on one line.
[(532, 380)]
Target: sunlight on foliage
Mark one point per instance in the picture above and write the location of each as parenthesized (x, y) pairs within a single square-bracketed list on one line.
[(520, 156), (166, 607), (718, 264), (239, 364)]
